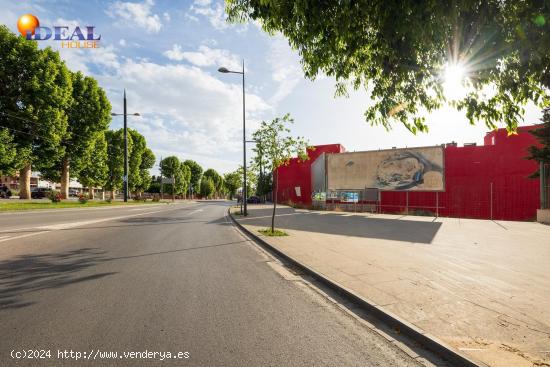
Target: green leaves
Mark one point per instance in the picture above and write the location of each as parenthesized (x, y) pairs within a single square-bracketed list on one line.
[(398, 50), (277, 146), (8, 153)]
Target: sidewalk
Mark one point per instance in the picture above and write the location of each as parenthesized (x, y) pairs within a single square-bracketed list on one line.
[(483, 287)]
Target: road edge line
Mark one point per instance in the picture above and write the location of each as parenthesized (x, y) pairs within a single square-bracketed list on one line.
[(426, 340)]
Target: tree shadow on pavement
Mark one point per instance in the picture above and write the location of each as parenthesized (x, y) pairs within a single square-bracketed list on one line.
[(31, 273), (345, 224)]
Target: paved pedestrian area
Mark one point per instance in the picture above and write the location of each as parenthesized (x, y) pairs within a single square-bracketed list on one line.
[(483, 287)]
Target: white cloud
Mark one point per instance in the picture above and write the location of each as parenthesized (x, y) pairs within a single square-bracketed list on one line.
[(122, 42), (136, 13), (205, 56), (186, 111), (215, 13), (285, 68)]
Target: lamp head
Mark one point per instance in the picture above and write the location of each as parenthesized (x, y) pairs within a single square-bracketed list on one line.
[(223, 70)]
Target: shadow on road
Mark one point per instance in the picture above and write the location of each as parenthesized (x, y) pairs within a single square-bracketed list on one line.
[(31, 273), (346, 224)]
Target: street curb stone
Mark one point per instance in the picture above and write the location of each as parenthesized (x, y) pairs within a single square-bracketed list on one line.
[(416, 334)]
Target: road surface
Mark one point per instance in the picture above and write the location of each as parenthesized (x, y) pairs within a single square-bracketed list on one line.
[(125, 286)]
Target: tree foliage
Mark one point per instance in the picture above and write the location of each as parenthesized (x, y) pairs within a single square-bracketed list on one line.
[(88, 114), (115, 158), (196, 173), (232, 181), (216, 179), (35, 93), (94, 169), (541, 153), (398, 50), (172, 167), (8, 153), (207, 187), (279, 147)]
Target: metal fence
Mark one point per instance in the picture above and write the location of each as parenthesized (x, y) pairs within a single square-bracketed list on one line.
[(509, 198), (544, 185)]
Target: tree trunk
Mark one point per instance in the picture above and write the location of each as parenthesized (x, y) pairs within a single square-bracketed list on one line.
[(25, 182), (102, 193), (91, 192), (112, 194), (274, 207), (65, 178)]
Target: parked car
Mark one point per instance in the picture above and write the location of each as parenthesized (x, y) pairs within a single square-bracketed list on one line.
[(253, 200), (40, 192), (73, 192), (5, 193)]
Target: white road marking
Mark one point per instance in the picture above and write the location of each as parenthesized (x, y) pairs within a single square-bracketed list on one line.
[(23, 235), (60, 226), (3, 237), (195, 211)]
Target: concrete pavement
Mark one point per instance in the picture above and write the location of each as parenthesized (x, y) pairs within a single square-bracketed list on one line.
[(175, 278), (480, 286)]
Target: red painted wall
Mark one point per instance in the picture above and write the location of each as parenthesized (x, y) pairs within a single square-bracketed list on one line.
[(469, 174), (298, 174)]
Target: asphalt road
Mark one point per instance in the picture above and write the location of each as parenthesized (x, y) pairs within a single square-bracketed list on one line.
[(157, 279)]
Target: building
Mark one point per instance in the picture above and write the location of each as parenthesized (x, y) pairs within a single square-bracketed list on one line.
[(489, 181)]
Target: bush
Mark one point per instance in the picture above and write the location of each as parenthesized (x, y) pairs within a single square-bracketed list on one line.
[(54, 196), (109, 200), (82, 199), (156, 198)]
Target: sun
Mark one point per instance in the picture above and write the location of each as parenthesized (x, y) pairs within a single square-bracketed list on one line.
[(454, 78)]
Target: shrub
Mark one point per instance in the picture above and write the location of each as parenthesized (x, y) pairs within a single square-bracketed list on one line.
[(54, 196), (82, 199), (109, 200)]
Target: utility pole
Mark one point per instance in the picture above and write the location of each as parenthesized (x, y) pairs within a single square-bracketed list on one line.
[(125, 180), (244, 150), (161, 183)]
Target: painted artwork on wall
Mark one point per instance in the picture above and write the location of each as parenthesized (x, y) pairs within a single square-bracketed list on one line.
[(419, 169)]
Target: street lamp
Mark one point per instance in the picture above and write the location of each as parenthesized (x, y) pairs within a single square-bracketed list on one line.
[(225, 71), (125, 178)]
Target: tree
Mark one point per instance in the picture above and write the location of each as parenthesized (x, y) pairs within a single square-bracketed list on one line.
[(95, 171), (185, 178), (35, 92), (258, 165), (216, 179), (8, 153), (115, 159), (147, 162), (399, 51), (541, 154), (232, 182), (196, 174), (279, 147), (135, 157), (207, 187), (89, 113), (172, 167)]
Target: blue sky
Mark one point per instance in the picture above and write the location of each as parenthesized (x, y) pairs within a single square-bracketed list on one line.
[(166, 55)]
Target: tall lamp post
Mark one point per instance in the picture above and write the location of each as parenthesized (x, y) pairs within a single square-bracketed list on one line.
[(125, 178), (225, 70)]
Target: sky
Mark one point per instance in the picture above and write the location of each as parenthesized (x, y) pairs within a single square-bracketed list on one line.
[(166, 55)]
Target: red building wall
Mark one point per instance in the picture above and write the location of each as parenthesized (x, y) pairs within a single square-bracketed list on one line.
[(298, 174), (489, 181)]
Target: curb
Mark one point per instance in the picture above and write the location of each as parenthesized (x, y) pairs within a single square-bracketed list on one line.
[(419, 336)]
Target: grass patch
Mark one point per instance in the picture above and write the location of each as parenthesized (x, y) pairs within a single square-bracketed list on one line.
[(31, 205), (275, 233)]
